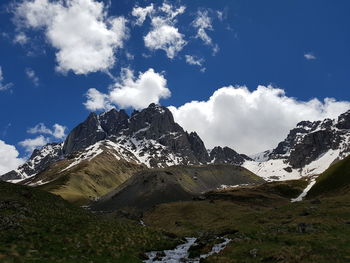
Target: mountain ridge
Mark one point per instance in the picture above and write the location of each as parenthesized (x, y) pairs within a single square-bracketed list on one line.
[(151, 137)]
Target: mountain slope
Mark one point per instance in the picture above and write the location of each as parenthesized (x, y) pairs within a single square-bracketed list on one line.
[(36, 226), (335, 180), (87, 180), (178, 183)]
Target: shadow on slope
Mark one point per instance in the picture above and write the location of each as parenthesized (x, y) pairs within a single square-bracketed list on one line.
[(178, 183)]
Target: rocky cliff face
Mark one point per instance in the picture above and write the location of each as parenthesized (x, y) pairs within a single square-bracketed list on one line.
[(149, 137), (309, 140), (309, 149), (227, 155)]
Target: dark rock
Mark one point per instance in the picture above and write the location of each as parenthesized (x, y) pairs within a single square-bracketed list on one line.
[(85, 134), (254, 252), (226, 155)]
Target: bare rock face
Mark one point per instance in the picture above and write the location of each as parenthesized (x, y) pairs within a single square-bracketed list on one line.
[(227, 155), (152, 134), (38, 161), (84, 135), (309, 140)]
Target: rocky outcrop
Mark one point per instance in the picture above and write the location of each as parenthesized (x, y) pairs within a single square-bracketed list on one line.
[(309, 140), (149, 137), (227, 155), (38, 161)]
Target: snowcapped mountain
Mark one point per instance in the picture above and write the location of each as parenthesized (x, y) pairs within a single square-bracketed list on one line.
[(150, 137), (153, 139), (309, 149)]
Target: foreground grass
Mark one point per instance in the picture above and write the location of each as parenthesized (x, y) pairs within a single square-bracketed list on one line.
[(308, 231), (36, 226)]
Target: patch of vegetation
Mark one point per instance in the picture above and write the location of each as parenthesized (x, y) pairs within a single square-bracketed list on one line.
[(36, 226), (334, 180), (302, 232)]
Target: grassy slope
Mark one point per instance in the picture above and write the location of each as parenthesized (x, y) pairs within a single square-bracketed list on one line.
[(334, 180), (178, 183), (36, 226), (87, 180), (300, 232)]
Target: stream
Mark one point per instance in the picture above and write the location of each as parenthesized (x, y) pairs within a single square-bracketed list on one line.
[(181, 254)]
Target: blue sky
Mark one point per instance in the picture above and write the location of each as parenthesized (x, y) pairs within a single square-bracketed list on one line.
[(301, 47)]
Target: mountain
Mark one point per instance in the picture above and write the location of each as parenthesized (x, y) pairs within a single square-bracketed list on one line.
[(106, 149), (151, 138), (177, 183), (309, 149)]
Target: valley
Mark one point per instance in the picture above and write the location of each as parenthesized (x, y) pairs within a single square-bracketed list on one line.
[(140, 188)]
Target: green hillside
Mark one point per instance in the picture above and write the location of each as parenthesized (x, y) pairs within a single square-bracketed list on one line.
[(36, 226), (335, 180)]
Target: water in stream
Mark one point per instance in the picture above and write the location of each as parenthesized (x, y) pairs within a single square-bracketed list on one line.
[(180, 254)]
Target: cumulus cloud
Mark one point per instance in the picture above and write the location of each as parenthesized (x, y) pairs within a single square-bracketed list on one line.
[(86, 39), (310, 56), (9, 158), (203, 23), (97, 100), (164, 34), (32, 76), (3, 85), (251, 121), (31, 144), (58, 131), (130, 91), (141, 13)]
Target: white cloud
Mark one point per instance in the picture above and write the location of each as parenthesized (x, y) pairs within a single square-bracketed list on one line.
[(86, 39), (220, 15), (141, 13), (130, 91), (4, 86), (97, 100), (203, 23), (167, 38), (251, 121), (310, 56), (193, 60), (164, 34), (32, 76), (31, 144), (9, 158), (21, 38), (58, 131)]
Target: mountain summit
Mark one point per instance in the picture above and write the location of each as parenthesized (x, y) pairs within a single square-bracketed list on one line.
[(149, 137), (153, 139)]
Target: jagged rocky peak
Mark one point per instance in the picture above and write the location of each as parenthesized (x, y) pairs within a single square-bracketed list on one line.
[(38, 161), (198, 147), (344, 121), (113, 121), (153, 122), (309, 140), (227, 155), (85, 134)]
